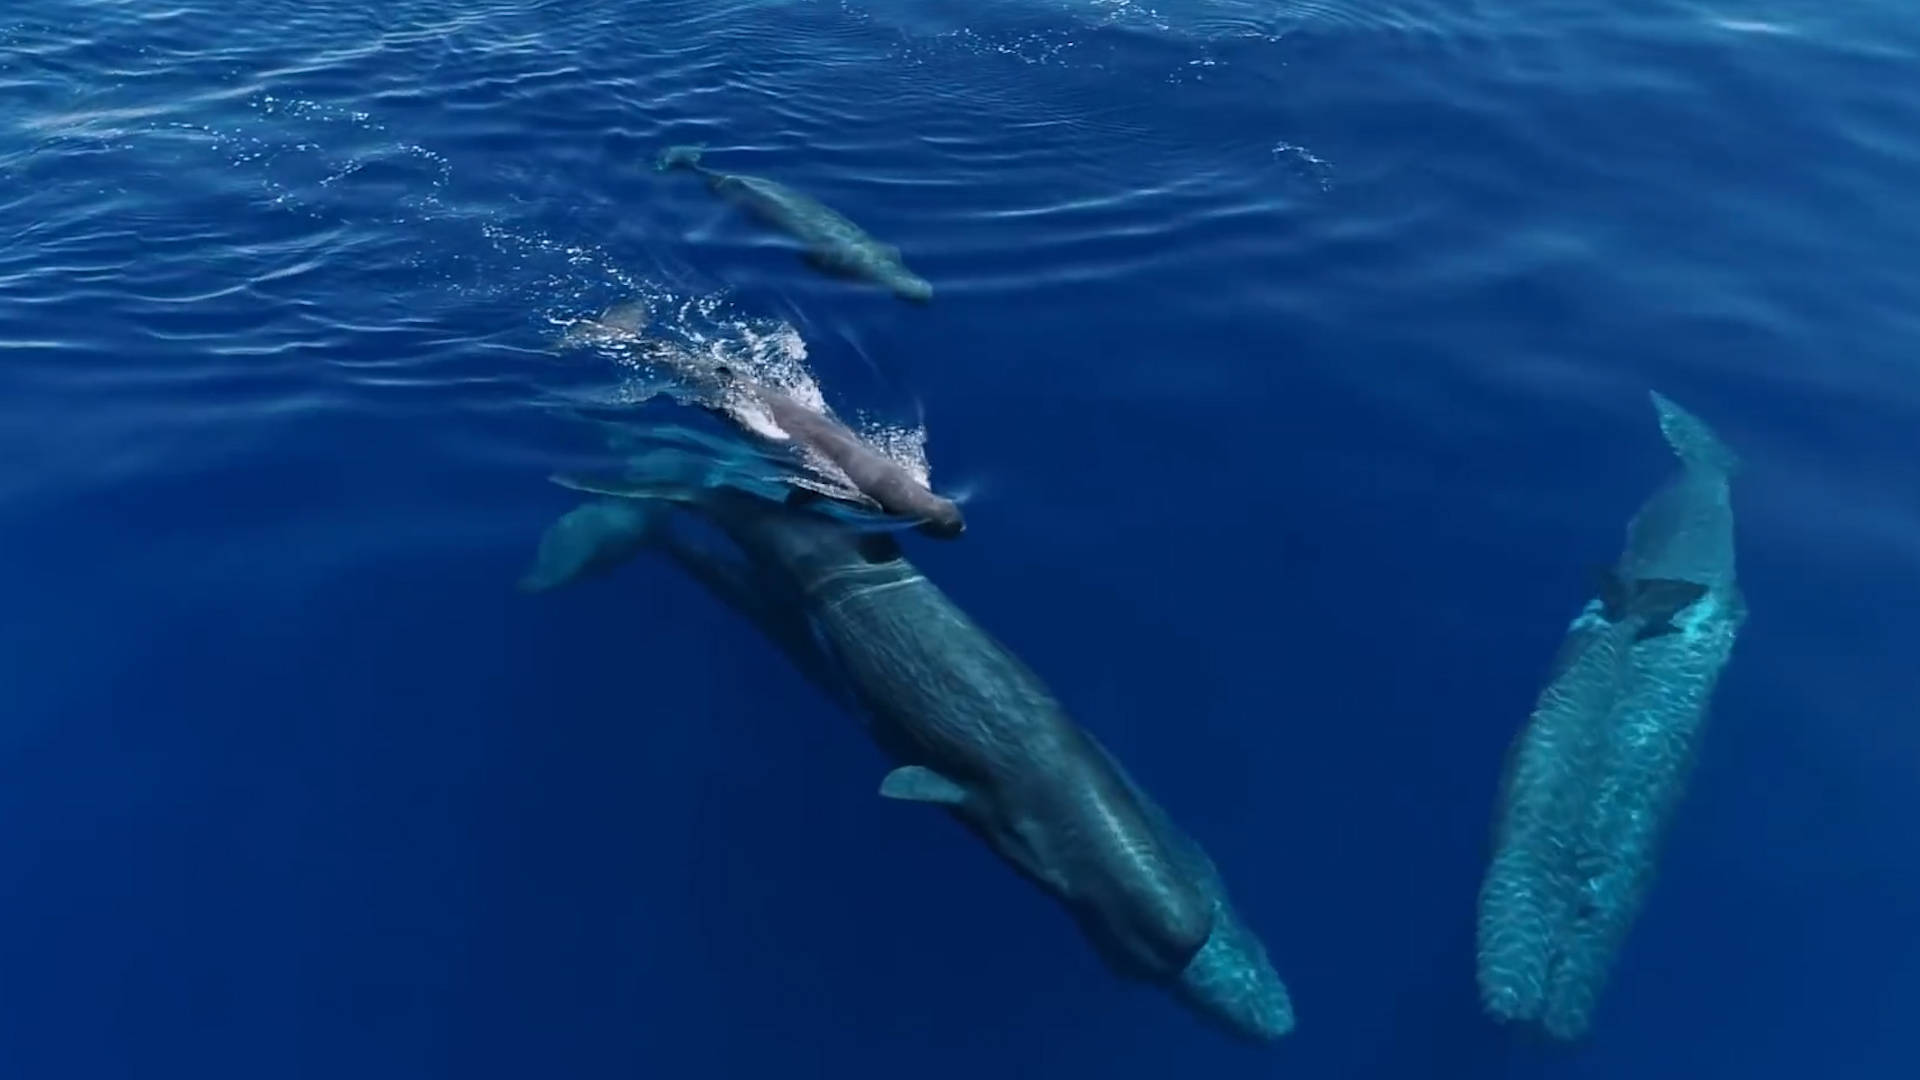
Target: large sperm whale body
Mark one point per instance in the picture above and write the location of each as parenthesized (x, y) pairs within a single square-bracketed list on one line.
[(1593, 779), (974, 731), (832, 244)]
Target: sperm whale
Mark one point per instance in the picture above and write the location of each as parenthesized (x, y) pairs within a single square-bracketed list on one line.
[(970, 728), (1593, 778)]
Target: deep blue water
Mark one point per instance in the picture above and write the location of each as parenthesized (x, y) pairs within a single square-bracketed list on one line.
[(1295, 356)]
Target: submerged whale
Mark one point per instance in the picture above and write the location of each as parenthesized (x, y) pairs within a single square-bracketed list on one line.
[(833, 245), (1593, 778), (972, 730)]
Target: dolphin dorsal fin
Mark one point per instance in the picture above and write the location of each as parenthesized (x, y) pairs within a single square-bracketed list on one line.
[(917, 783)]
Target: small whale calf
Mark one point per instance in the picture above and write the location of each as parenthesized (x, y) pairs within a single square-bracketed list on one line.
[(1593, 778), (971, 729), (832, 244)]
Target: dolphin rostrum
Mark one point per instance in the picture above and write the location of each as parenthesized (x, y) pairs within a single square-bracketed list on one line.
[(1593, 778), (833, 245)]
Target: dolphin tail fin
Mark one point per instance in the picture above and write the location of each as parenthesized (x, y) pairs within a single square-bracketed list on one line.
[(1655, 600), (687, 157), (1692, 440)]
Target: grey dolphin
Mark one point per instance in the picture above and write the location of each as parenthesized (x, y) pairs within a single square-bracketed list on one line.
[(833, 244), (877, 476), (721, 389), (977, 733), (1592, 780)]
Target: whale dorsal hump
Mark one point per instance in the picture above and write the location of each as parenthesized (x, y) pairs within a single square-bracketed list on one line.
[(1655, 600), (917, 783)]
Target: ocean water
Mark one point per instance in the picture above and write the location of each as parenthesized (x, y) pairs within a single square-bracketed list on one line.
[(1292, 357)]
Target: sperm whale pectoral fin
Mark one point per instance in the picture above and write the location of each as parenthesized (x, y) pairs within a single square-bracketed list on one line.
[(917, 783)]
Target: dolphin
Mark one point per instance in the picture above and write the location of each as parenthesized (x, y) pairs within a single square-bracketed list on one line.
[(723, 390), (885, 481), (1593, 779), (832, 244), (973, 731)]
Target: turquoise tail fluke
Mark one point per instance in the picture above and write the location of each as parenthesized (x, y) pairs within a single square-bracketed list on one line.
[(679, 157), (1692, 440)]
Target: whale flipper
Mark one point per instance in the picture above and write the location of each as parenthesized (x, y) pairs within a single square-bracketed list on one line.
[(1657, 600), (917, 783)]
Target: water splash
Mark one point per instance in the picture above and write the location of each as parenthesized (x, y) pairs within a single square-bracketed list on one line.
[(679, 353)]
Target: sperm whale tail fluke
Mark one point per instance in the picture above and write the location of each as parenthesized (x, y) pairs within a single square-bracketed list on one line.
[(1692, 440), (679, 157)]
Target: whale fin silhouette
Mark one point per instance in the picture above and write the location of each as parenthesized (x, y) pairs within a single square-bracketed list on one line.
[(917, 783), (624, 489), (1656, 600), (590, 540)]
